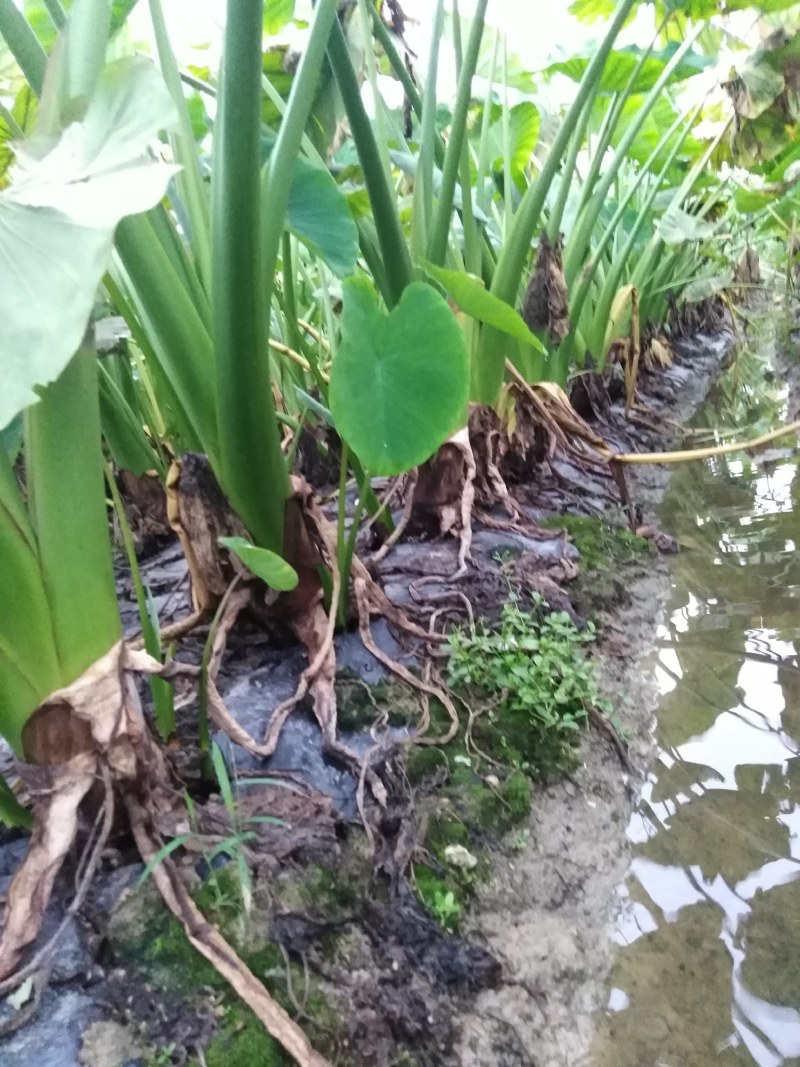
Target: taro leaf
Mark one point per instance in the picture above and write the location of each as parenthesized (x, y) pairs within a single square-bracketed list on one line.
[(266, 565), (475, 300), (57, 223), (409, 164), (622, 63), (277, 13), (524, 133), (677, 226), (754, 87), (705, 288), (43, 26), (399, 383), (319, 215)]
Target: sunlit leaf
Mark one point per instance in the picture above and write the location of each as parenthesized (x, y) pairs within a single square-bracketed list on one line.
[(266, 565), (399, 382), (622, 63), (277, 13)]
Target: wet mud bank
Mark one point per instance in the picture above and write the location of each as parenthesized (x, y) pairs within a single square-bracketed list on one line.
[(469, 926), (547, 912)]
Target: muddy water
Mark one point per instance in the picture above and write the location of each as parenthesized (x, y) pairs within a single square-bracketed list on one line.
[(708, 968)]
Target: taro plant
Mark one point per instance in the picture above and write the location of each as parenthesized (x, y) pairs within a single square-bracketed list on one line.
[(84, 169)]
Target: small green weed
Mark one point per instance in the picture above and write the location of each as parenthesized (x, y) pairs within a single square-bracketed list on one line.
[(440, 895), (537, 679), (446, 908)]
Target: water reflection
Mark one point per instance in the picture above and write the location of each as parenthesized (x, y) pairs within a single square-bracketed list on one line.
[(709, 966)]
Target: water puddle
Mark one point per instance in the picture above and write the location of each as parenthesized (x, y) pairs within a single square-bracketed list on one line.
[(708, 970)]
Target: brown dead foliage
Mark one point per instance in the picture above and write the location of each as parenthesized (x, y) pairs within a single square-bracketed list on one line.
[(109, 743), (546, 303)]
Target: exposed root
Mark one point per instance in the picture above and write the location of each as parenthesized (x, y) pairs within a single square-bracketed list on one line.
[(175, 630), (608, 730), (402, 525), (366, 605)]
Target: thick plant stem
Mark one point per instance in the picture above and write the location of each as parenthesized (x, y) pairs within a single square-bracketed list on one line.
[(438, 241), (394, 251), (67, 504), (252, 471)]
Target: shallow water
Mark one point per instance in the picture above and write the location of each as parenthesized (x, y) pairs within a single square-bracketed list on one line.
[(708, 969)]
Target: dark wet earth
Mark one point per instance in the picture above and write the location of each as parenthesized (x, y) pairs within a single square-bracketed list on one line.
[(708, 969)]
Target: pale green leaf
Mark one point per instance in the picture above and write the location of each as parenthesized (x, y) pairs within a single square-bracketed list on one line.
[(677, 226), (57, 223), (266, 565), (399, 383)]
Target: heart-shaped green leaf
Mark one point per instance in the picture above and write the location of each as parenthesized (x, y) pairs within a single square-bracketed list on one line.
[(266, 565), (399, 382)]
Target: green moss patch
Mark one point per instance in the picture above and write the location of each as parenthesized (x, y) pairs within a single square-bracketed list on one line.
[(150, 939), (601, 545)]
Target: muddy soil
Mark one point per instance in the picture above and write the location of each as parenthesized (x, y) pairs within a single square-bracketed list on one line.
[(547, 912), (336, 932)]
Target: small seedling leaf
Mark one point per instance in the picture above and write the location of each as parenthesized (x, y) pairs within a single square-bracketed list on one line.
[(266, 565)]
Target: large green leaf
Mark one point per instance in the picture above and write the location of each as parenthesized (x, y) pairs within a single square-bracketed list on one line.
[(475, 300), (57, 223), (622, 63), (523, 134), (399, 383)]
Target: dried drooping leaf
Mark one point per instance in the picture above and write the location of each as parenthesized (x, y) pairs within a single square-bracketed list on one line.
[(199, 514), (658, 353), (97, 719), (546, 304), (57, 792)]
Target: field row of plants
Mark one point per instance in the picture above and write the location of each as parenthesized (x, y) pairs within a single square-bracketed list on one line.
[(296, 261)]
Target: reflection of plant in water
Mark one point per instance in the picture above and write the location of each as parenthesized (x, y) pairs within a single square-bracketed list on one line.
[(716, 874)]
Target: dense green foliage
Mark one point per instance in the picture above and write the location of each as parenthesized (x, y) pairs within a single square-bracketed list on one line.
[(281, 271)]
